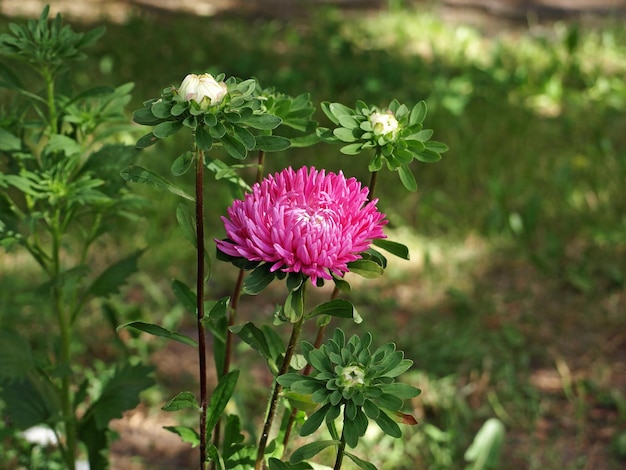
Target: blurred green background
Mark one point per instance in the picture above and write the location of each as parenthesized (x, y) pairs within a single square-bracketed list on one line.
[(513, 305)]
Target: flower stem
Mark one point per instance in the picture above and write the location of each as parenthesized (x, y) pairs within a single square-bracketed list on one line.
[(200, 303), (340, 452), (307, 370), (291, 347), (372, 185)]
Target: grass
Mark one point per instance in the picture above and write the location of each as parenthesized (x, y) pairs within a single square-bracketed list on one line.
[(513, 306)]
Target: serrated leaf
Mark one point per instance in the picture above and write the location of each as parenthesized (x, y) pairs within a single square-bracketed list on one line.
[(181, 401), (157, 330), (115, 276), (120, 393), (29, 401), (16, 359), (310, 450), (138, 174)]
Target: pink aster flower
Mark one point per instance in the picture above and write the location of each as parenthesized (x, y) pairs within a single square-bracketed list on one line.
[(303, 221)]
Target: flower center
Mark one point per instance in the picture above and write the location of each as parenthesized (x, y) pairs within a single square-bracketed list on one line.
[(351, 376), (312, 218)]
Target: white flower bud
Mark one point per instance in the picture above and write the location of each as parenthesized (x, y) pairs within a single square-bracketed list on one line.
[(203, 89), (384, 124)]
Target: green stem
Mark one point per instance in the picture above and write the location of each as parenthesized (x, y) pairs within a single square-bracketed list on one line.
[(65, 329), (200, 303), (372, 185), (52, 109), (271, 413), (340, 452)]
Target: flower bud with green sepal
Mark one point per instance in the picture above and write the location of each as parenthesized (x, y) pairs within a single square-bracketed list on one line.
[(348, 378), (395, 134)]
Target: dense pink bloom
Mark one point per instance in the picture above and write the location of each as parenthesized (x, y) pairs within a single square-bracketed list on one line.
[(303, 221)]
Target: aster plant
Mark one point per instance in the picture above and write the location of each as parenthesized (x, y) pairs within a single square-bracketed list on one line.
[(300, 227)]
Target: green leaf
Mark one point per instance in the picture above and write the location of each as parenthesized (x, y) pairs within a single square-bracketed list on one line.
[(437, 147), (204, 141), (29, 401), (9, 142), (244, 136), (114, 277), (157, 330), (294, 304), (366, 268), (395, 248), (400, 390), (138, 174), (388, 425), (220, 398), (187, 222), (310, 450), (360, 462), (16, 357), (263, 121), (418, 113), (348, 122), (272, 143), (338, 109), (167, 128), (345, 135), (257, 338), (407, 178), (258, 279), (484, 452), (186, 434), (120, 393), (314, 421), (146, 141), (182, 164), (181, 401), (339, 308), (185, 295), (428, 156), (351, 149), (234, 147)]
